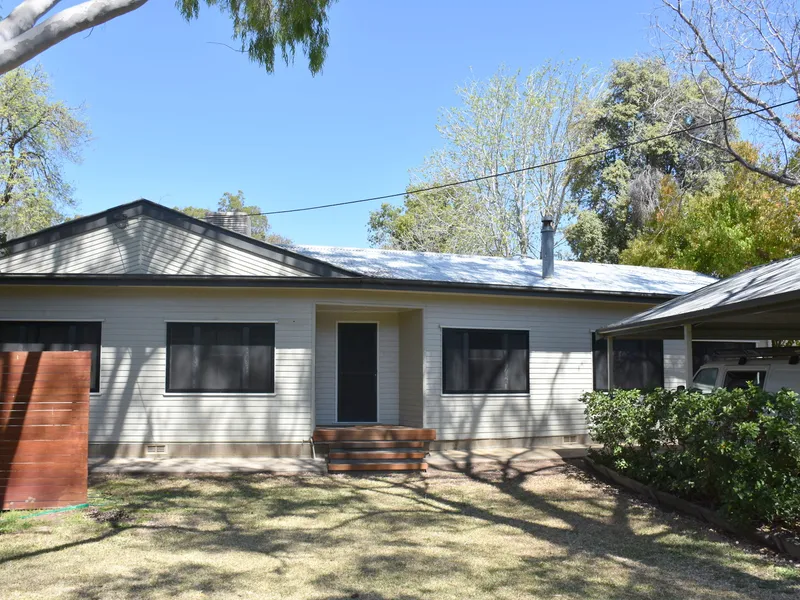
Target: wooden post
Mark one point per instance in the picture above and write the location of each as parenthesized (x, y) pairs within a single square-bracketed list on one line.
[(687, 341), (610, 362)]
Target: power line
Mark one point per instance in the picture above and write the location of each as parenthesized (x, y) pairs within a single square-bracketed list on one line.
[(530, 168)]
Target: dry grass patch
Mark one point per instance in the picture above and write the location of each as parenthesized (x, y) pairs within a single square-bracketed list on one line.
[(537, 533)]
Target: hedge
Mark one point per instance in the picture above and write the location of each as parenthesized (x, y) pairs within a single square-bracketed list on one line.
[(737, 451)]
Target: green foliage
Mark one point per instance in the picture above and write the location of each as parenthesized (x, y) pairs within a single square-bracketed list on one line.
[(37, 136), (436, 221), (262, 26), (504, 123), (737, 450), (621, 186), (259, 224), (588, 238), (751, 220)]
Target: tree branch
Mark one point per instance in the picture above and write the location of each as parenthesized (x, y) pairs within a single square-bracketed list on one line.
[(23, 17), (60, 26), (726, 75)]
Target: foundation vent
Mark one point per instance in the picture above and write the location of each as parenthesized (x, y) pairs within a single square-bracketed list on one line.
[(155, 449)]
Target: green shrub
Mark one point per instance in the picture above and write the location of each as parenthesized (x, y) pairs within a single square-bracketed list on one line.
[(736, 450)]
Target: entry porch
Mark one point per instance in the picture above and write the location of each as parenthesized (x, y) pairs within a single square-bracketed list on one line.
[(368, 365)]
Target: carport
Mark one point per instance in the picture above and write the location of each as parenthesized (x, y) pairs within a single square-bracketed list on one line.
[(762, 303)]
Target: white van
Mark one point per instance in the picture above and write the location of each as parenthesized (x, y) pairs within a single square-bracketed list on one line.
[(771, 369)]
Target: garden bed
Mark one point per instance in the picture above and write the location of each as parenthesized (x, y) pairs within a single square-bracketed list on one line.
[(731, 458), (779, 541)]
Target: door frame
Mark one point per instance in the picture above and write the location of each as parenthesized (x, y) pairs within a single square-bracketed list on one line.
[(377, 374)]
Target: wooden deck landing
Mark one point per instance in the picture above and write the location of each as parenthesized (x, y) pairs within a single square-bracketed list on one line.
[(375, 447), (372, 433)]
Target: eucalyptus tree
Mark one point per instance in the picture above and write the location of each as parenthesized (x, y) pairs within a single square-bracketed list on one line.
[(751, 49), (261, 27), (503, 125), (38, 136)]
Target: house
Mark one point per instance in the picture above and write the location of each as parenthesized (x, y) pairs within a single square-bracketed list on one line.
[(208, 342)]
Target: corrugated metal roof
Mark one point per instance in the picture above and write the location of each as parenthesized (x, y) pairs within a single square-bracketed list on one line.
[(519, 272), (759, 284)]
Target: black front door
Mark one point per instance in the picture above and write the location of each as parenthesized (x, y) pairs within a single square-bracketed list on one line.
[(357, 374)]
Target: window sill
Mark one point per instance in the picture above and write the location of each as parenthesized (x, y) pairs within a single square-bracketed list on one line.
[(483, 394), (223, 394)]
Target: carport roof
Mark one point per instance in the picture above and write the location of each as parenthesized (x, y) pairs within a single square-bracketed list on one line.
[(759, 303)]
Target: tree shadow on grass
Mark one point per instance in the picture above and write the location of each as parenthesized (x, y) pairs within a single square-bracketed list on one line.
[(650, 560), (411, 534), (189, 578)]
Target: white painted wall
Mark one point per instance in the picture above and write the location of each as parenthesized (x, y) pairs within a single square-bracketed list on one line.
[(674, 363), (560, 367), (132, 406)]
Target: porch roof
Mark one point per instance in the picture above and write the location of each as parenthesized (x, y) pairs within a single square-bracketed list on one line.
[(759, 303)]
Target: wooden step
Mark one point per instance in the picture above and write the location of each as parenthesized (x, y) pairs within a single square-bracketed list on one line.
[(376, 454), (371, 465), (372, 444), (370, 433)]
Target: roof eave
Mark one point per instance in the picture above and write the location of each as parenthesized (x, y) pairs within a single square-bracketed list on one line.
[(327, 282), (632, 327)]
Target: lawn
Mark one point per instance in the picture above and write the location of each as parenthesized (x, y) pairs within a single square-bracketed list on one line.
[(545, 531)]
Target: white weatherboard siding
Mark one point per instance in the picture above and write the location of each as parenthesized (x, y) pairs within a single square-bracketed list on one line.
[(132, 406), (109, 250), (144, 246), (169, 250), (388, 364), (560, 368), (411, 368), (674, 364)]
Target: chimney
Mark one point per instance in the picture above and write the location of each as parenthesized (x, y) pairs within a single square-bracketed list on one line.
[(235, 221), (548, 240)]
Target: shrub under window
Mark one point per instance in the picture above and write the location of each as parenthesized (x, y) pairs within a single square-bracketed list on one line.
[(221, 357), (638, 364), (485, 361), (39, 336)]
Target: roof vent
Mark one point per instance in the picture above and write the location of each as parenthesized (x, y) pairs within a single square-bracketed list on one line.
[(235, 221)]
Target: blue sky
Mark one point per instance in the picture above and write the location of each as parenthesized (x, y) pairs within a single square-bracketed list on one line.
[(180, 121)]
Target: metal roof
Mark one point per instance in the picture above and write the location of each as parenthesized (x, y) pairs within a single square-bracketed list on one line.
[(518, 272), (760, 301), (376, 268)]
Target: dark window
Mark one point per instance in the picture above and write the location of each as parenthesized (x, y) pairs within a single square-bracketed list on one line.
[(220, 357), (485, 361), (638, 364), (739, 380), (38, 336), (703, 352)]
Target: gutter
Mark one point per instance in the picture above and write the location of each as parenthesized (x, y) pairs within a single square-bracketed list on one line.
[(344, 283)]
